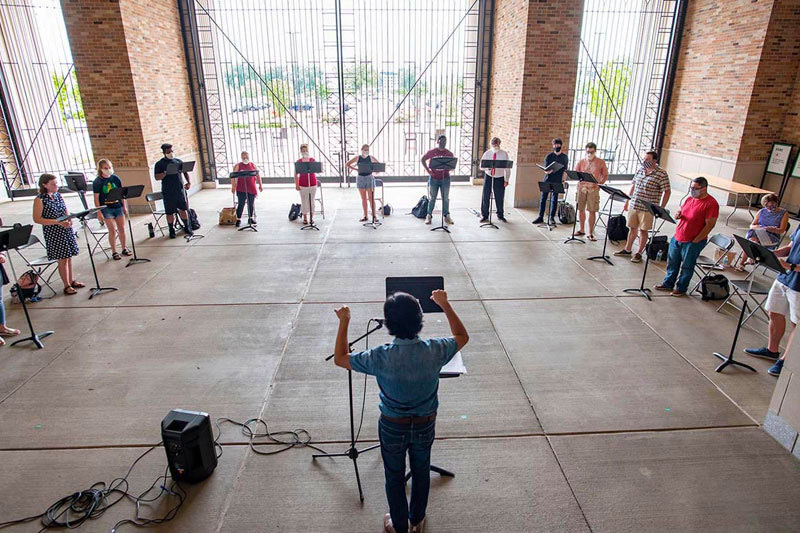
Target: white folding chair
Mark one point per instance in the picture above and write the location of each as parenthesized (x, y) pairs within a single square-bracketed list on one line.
[(152, 200), (98, 232), (321, 200), (743, 289), (40, 265)]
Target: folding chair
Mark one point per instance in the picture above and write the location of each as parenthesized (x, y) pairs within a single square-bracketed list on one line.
[(706, 265), (321, 200), (152, 200), (98, 232), (40, 265), (743, 289)]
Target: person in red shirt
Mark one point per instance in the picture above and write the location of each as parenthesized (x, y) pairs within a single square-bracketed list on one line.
[(439, 180), (307, 185), (696, 219), (245, 189)]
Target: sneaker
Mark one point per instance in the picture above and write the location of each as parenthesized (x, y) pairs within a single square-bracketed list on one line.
[(501, 219), (448, 219), (551, 221), (677, 293), (660, 287), (171, 231), (428, 219), (238, 222), (387, 524), (637, 258), (251, 221), (762, 352), (538, 220), (419, 528), (623, 253), (775, 370), (484, 219)]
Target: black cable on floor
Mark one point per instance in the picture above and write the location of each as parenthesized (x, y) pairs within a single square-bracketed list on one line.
[(299, 437)]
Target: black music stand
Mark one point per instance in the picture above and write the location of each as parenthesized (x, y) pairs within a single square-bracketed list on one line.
[(310, 167), (251, 223), (578, 176), (762, 257), (11, 240), (82, 217), (442, 163), (492, 164), (179, 168), (550, 187), (133, 191), (613, 193), (371, 167), (76, 182), (663, 214)]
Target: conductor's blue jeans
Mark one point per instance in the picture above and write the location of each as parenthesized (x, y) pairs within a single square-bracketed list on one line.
[(396, 441)]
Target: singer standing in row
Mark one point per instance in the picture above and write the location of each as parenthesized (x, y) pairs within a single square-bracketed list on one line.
[(553, 176), (587, 197), (496, 178), (306, 184), (365, 182), (245, 189)]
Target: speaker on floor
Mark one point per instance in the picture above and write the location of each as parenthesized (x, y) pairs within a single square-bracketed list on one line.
[(189, 443)]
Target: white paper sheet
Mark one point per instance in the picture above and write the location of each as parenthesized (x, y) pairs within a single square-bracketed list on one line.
[(763, 237), (455, 366)]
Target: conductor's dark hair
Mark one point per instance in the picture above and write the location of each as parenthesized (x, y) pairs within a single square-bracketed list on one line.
[(557, 141), (654, 154), (403, 315), (701, 181), (165, 147)]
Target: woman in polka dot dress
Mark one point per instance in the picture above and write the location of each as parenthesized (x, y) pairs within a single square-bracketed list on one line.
[(58, 236)]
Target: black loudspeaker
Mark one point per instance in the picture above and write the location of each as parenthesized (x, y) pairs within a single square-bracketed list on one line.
[(189, 443)]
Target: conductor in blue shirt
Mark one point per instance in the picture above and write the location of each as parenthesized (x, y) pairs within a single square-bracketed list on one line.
[(407, 372), (557, 176)]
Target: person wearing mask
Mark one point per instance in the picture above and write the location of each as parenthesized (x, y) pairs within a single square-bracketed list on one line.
[(496, 178), (650, 184), (696, 219), (113, 213), (439, 180), (587, 197), (245, 189), (5, 331), (407, 372), (172, 189), (307, 185), (59, 239), (365, 182), (770, 218), (553, 176)]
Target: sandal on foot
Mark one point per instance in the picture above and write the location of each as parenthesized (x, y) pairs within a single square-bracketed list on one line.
[(8, 332), (115, 256), (362, 219), (591, 237), (70, 290), (2, 342), (77, 285), (126, 252), (579, 234)]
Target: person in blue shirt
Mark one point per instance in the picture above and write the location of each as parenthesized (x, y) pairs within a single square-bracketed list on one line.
[(407, 372), (553, 176)]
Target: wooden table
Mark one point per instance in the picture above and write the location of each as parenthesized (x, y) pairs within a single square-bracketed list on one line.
[(731, 187)]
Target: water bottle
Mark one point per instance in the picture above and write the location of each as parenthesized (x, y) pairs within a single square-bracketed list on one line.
[(725, 262), (660, 255), (151, 230)]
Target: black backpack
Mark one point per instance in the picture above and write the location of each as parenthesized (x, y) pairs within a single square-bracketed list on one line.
[(658, 244), (714, 287), (421, 209), (387, 210), (566, 213), (617, 228), (193, 222), (294, 211)]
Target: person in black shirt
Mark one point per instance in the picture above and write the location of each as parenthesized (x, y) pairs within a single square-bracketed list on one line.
[(113, 213), (552, 177), (172, 189)]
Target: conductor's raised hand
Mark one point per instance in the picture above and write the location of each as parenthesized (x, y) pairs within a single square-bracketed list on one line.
[(343, 313), (439, 297)]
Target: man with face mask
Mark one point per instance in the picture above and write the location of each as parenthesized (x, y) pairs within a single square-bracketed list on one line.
[(494, 177), (650, 184), (172, 189), (439, 180), (587, 197), (557, 176), (696, 219)]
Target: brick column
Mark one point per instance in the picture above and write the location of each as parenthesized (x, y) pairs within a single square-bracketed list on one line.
[(534, 67), (131, 68)]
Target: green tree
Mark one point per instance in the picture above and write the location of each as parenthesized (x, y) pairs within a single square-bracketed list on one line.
[(616, 76), (69, 97), (359, 77)]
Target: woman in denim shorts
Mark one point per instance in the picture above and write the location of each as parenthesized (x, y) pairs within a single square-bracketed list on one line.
[(113, 213), (365, 182)]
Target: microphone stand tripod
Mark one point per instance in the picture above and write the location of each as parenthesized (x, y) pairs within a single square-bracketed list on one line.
[(353, 452)]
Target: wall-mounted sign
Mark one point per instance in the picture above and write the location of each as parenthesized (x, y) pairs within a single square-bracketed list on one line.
[(779, 158)]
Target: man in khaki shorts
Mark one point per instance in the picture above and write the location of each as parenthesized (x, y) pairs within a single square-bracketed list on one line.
[(650, 184), (587, 197)]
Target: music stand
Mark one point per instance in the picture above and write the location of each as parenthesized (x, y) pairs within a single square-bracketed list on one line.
[(251, 225), (76, 182), (11, 240), (82, 217), (442, 163), (762, 257), (309, 167), (370, 167), (555, 188), (121, 194), (613, 193), (492, 164), (177, 168), (663, 214)]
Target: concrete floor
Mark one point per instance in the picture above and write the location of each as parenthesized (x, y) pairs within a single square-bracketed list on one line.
[(584, 408)]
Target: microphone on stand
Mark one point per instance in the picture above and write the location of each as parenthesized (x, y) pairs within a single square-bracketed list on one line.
[(379, 321)]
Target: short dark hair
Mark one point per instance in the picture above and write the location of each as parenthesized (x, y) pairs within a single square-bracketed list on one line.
[(654, 154), (440, 137), (591, 145), (557, 141), (701, 181), (403, 315), (165, 147)]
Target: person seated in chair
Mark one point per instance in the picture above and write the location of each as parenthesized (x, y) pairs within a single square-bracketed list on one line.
[(771, 218), (407, 372)]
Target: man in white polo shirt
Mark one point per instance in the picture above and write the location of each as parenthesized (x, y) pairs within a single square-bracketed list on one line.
[(494, 177)]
